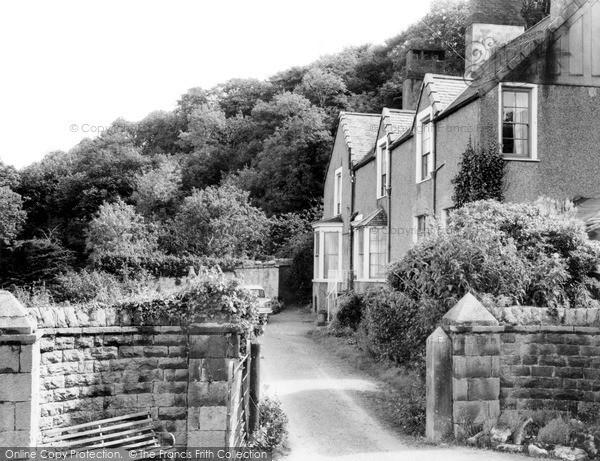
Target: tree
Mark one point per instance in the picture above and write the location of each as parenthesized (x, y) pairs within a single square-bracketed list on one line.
[(481, 175), (12, 215), (9, 176), (219, 221), (288, 173), (534, 11), (323, 88), (118, 229), (158, 133), (238, 96), (158, 190)]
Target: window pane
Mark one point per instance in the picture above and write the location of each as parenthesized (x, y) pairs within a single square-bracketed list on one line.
[(509, 115), (521, 131), (522, 116), (425, 166), (316, 266), (509, 98), (360, 246), (521, 148), (377, 253), (331, 252), (522, 99)]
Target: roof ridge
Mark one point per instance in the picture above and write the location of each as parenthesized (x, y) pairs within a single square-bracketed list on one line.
[(343, 113)]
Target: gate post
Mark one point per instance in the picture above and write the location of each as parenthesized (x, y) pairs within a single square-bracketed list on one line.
[(439, 386), (254, 387)]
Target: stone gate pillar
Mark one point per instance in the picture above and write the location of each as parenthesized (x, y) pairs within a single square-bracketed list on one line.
[(19, 375)]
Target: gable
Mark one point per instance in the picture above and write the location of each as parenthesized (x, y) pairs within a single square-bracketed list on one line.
[(570, 56)]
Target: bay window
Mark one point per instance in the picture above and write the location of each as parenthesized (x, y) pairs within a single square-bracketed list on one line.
[(327, 251), (370, 250)]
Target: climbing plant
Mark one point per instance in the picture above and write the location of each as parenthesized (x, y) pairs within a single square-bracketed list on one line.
[(481, 175)]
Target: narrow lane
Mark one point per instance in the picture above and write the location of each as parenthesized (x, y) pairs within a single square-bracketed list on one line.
[(320, 394)]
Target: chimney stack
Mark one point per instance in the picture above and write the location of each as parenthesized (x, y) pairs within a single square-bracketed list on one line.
[(420, 60), (492, 23)]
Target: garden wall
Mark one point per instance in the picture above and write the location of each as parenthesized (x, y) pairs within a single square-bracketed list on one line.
[(69, 365), (517, 359)]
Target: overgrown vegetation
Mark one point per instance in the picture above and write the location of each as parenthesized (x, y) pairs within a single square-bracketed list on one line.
[(272, 432)]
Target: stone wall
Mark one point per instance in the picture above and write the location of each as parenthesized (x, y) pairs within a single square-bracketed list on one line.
[(85, 364), (520, 359)]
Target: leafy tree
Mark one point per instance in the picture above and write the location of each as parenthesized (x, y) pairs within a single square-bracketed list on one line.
[(238, 96), (481, 175), (219, 221), (323, 88), (118, 229), (158, 190), (288, 173), (12, 215), (534, 11), (9, 176), (158, 133)]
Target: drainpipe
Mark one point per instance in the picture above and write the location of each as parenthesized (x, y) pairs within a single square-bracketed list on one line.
[(389, 196), (352, 194)]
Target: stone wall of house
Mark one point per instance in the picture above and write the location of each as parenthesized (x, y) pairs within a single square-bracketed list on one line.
[(85, 364), (521, 358)]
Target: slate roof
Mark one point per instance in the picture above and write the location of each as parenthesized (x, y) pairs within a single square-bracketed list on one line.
[(397, 122), (360, 132), (443, 90), (377, 218)]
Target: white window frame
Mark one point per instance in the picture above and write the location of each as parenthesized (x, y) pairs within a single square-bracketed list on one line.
[(366, 273), (533, 129), (383, 142), (338, 187), (425, 115), (416, 236), (322, 229)]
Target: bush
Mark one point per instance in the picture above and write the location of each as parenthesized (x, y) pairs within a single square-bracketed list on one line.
[(556, 432), (529, 254), (392, 326), (350, 311), (272, 431), (160, 265)]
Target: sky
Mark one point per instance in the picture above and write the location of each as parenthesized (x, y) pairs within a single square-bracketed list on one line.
[(70, 68)]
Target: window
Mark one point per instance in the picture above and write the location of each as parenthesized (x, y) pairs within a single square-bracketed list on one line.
[(331, 254), (317, 254), (425, 143), (377, 253), (383, 163), (360, 254), (370, 253), (518, 121), (338, 192), (328, 248), (420, 227)]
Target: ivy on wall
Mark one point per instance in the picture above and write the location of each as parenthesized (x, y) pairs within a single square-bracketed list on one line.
[(481, 175)]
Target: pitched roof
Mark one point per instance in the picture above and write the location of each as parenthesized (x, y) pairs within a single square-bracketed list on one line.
[(443, 90), (377, 218), (360, 132), (396, 122), (335, 220), (506, 58)]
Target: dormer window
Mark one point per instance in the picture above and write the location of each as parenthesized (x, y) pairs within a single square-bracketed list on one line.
[(383, 168)]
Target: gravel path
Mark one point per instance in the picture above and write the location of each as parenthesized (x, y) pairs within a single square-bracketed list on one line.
[(324, 399)]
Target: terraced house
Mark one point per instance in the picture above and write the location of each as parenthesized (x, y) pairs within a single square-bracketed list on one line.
[(534, 92)]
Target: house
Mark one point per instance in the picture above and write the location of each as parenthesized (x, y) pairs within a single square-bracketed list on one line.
[(535, 93)]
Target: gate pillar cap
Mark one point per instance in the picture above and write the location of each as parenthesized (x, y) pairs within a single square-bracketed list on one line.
[(14, 318), (469, 312)]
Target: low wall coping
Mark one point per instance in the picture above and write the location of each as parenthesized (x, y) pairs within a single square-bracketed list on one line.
[(196, 329), (523, 329)]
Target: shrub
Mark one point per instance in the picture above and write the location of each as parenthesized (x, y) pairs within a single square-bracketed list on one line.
[(392, 326), (556, 432), (272, 431), (527, 253), (350, 311), (160, 265)]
